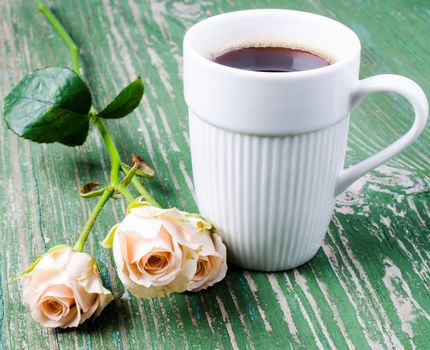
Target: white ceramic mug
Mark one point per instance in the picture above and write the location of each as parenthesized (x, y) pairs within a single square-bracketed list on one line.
[(268, 148)]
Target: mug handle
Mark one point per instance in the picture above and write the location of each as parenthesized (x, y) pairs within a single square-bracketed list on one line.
[(386, 83)]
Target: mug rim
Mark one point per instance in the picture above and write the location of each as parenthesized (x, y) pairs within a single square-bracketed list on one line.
[(270, 75)]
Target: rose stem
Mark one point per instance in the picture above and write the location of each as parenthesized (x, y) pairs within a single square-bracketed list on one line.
[(107, 139), (142, 190), (110, 145), (79, 245)]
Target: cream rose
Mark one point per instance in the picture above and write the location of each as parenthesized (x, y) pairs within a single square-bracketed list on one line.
[(160, 251), (209, 252), (63, 289), (149, 253)]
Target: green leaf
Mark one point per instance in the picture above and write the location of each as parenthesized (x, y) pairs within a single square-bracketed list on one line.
[(49, 105), (125, 102)]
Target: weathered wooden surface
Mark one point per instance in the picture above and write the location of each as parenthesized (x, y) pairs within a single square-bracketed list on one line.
[(368, 287)]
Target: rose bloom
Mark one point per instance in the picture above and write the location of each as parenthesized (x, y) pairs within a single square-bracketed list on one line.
[(148, 255), (211, 259), (155, 256), (63, 289)]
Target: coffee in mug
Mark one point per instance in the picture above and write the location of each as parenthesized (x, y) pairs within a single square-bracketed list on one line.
[(271, 59)]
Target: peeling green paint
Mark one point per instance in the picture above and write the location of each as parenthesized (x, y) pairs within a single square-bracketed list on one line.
[(368, 285)]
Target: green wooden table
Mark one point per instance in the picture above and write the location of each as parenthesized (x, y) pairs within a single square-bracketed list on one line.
[(368, 287)]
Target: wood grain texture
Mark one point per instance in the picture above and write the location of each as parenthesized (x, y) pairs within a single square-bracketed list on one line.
[(368, 287)]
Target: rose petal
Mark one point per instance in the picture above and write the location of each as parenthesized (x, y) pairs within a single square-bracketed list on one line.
[(80, 265), (37, 283), (217, 267), (54, 260), (134, 225), (76, 319), (83, 299), (134, 248), (104, 299), (57, 291), (53, 308), (174, 230), (180, 284), (120, 263)]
